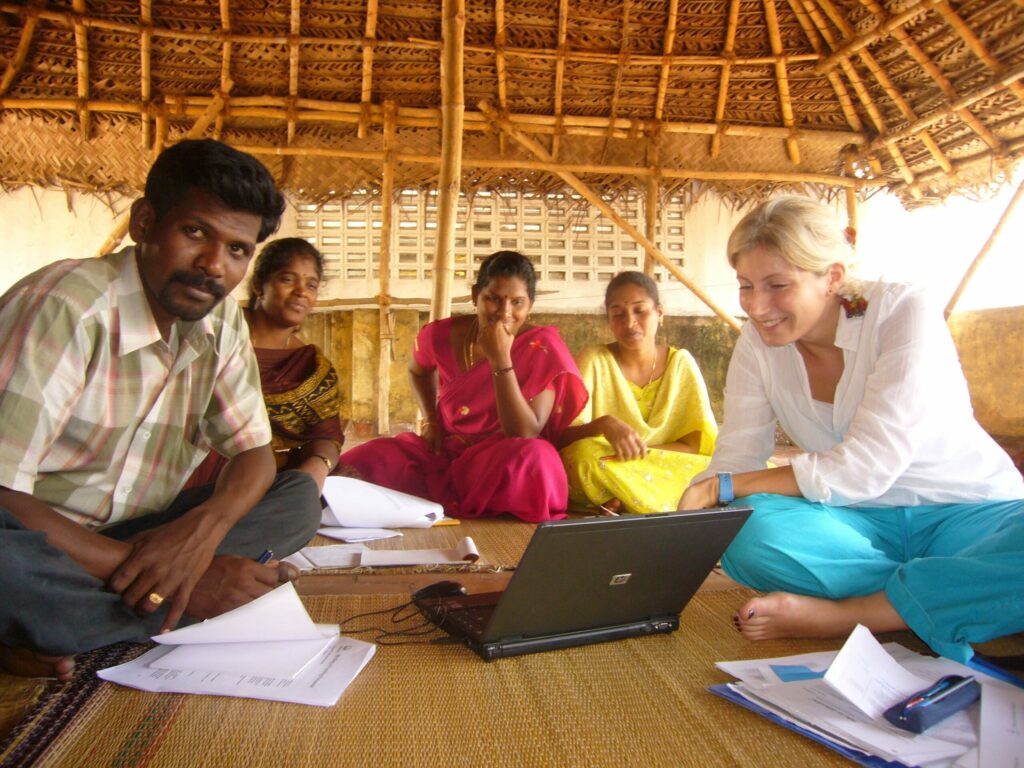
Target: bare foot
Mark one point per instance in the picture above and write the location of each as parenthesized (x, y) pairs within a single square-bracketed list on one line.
[(27, 663), (782, 614), (611, 508)]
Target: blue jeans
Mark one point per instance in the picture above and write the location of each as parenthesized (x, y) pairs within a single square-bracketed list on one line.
[(954, 572)]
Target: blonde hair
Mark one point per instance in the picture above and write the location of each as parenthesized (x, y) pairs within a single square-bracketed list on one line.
[(805, 233)]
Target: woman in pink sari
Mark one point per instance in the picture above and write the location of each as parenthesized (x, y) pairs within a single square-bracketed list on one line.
[(496, 393)]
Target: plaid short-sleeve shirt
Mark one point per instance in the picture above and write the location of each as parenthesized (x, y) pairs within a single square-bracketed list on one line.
[(99, 417)]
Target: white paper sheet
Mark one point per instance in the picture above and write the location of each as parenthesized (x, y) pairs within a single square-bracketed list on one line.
[(354, 503), (355, 535), (1002, 726), (463, 552), (277, 615), (320, 684), (280, 658)]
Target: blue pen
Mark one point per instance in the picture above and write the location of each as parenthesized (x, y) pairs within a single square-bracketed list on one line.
[(265, 557)]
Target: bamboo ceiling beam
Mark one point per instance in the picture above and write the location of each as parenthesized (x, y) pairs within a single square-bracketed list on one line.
[(500, 39), (651, 205), (838, 87), (453, 108), (225, 61), (858, 85), (366, 93), (976, 44), (553, 54), (16, 62), (724, 76), (1014, 150), (964, 102), (313, 111), (82, 64), (893, 93), (620, 66), (781, 78), (146, 65), (197, 130), (386, 317), (295, 25), (668, 46), (883, 29), (992, 239), (563, 53), (599, 203)]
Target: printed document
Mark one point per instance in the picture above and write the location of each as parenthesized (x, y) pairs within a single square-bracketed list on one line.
[(355, 503)]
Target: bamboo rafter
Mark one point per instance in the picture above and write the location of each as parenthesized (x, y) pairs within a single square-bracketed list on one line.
[(560, 59), (225, 63), (723, 81), (893, 93), (838, 87), (620, 65), (976, 44), (595, 200), (16, 62), (145, 65), (366, 91), (295, 25), (987, 156), (82, 64), (500, 40), (858, 86), (781, 79), (883, 29), (667, 49)]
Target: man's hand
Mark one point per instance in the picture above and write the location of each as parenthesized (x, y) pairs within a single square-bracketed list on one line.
[(167, 562), (232, 581)]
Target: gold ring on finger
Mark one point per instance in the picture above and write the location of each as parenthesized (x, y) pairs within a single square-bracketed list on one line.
[(155, 598)]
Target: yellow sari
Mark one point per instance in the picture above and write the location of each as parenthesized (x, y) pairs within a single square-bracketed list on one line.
[(662, 412)]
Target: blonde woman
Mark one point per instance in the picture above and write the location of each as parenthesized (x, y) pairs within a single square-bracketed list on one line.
[(901, 512)]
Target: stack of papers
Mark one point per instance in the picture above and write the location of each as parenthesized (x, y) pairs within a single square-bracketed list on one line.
[(837, 698), (266, 649), (356, 555), (357, 504)]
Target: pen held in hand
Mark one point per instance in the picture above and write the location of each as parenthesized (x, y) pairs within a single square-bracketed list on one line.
[(266, 557)]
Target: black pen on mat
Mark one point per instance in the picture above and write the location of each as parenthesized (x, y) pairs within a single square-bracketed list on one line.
[(265, 557)]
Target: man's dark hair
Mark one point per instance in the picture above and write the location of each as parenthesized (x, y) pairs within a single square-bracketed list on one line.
[(239, 181), (278, 254), (507, 264)]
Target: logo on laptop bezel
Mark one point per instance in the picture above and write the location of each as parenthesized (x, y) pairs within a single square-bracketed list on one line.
[(619, 579)]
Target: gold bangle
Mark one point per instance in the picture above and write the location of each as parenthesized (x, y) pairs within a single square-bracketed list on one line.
[(324, 459), (500, 371)]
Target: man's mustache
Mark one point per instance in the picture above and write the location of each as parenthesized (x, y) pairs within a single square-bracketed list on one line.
[(197, 280)]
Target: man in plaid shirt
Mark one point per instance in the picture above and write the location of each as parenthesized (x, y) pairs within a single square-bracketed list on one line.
[(117, 376)]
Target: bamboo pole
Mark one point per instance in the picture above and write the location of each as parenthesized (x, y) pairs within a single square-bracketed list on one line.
[(651, 206), (838, 87), (500, 39), (225, 63), (146, 65), (453, 107), (977, 45), (620, 65), (992, 238), (295, 25), (889, 26), (724, 77), (16, 62), (366, 92), (82, 63), (121, 227), (595, 200), (563, 53), (781, 79), (667, 47), (386, 321), (988, 156)]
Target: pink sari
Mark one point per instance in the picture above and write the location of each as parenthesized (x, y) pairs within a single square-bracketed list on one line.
[(479, 471)]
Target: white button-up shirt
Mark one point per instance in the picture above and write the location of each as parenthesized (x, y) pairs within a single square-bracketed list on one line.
[(901, 431)]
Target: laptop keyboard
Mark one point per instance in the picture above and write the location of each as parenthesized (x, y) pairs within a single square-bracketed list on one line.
[(472, 621)]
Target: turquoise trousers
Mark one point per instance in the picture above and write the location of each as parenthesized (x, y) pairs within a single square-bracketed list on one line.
[(954, 572)]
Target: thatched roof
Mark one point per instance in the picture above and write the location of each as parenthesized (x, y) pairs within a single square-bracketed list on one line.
[(924, 96)]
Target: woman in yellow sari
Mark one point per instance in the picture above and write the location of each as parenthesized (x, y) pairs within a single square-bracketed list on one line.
[(648, 428)]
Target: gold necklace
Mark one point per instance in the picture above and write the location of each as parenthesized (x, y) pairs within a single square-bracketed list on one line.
[(654, 365), (468, 344)]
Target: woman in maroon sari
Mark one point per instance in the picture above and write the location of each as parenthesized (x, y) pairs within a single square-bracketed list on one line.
[(300, 386), (496, 393)]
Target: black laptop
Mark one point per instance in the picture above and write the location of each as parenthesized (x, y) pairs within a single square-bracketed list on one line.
[(588, 580)]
